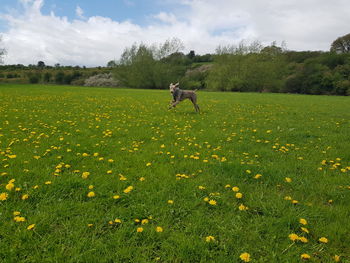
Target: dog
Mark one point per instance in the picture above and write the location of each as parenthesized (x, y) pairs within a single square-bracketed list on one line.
[(180, 95)]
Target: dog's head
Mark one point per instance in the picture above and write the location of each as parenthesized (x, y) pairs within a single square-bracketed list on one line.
[(173, 87)]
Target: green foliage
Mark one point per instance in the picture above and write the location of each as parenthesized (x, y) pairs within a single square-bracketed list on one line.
[(341, 44), (151, 67)]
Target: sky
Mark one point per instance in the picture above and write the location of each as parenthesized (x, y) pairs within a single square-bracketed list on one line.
[(91, 33)]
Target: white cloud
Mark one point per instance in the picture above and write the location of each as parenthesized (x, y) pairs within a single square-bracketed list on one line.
[(201, 24), (79, 12)]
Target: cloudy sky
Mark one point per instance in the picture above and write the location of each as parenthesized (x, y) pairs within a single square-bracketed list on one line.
[(91, 33)]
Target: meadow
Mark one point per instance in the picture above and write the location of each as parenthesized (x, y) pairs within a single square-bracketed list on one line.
[(112, 175)]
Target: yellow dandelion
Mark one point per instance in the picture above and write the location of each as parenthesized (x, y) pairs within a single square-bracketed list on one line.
[(336, 258), (91, 194), (48, 182), (288, 180), (148, 164), (209, 239), (212, 202), (91, 187), (257, 176), (128, 189), (303, 239), (30, 227), (117, 220), (144, 221), (25, 197), (245, 257), (85, 175), (305, 256), (302, 221), (9, 186), (235, 189), (159, 229), (293, 237), (170, 202), (139, 230), (3, 196), (116, 197), (239, 195), (304, 229), (323, 240)]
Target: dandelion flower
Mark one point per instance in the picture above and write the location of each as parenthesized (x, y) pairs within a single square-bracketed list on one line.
[(91, 194), (336, 258), (212, 202), (239, 195), (288, 180), (302, 221), (303, 239), (304, 229), (235, 189), (170, 202), (159, 229), (293, 237), (25, 197), (116, 197), (305, 256), (139, 230), (209, 239), (3, 196), (257, 176), (128, 189), (85, 175), (30, 227), (323, 240), (245, 257)]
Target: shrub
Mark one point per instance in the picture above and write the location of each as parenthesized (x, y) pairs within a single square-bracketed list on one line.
[(101, 80)]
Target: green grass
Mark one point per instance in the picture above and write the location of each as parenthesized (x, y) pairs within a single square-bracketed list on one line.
[(236, 136)]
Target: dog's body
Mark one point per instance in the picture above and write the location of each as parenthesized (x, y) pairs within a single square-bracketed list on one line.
[(180, 95)]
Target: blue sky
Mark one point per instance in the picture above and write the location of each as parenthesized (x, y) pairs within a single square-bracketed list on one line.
[(91, 33)]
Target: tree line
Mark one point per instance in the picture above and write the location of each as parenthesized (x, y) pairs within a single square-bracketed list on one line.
[(246, 67)]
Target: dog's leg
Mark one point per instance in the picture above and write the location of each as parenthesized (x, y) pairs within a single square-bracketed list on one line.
[(194, 101)]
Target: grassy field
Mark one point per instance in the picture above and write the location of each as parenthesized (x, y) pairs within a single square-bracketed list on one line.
[(111, 175)]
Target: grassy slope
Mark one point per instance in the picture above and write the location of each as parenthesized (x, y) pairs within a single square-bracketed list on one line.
[(59, 124)]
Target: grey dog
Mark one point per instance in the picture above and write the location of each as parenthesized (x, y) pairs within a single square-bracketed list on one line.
[(180, 95)]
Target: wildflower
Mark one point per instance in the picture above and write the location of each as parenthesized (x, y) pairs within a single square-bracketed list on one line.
[(110, 160), (148, 164), (159, 229), (293, 237), (206, 199), (336, 258), (303, 239), (3, 196), (170, 202), (16, 213), (288, 180), (142, 179), (91, 187), (323, 240), (305, 230), (245, 257), (302, 221), (117, 220), (91, 194), (248, 171), (239, 195), (288, 198), (128, 189), (201, 187), (90, 225), (235, 189), (10, 186), (25, 196), (212, 202), (85, 175), (48, 182), (227, 186), (242, 207), (305, 256), (19, 219), (144, 221), (30, 227), (109, 171), (209, 238), (139, 230), (116, 197), (257, 176)]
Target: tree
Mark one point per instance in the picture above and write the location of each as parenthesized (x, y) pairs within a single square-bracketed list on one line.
[(341, 44), (41, 64), (2, 52)]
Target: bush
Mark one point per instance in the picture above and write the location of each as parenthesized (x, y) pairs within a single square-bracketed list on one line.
[(101, 80)]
